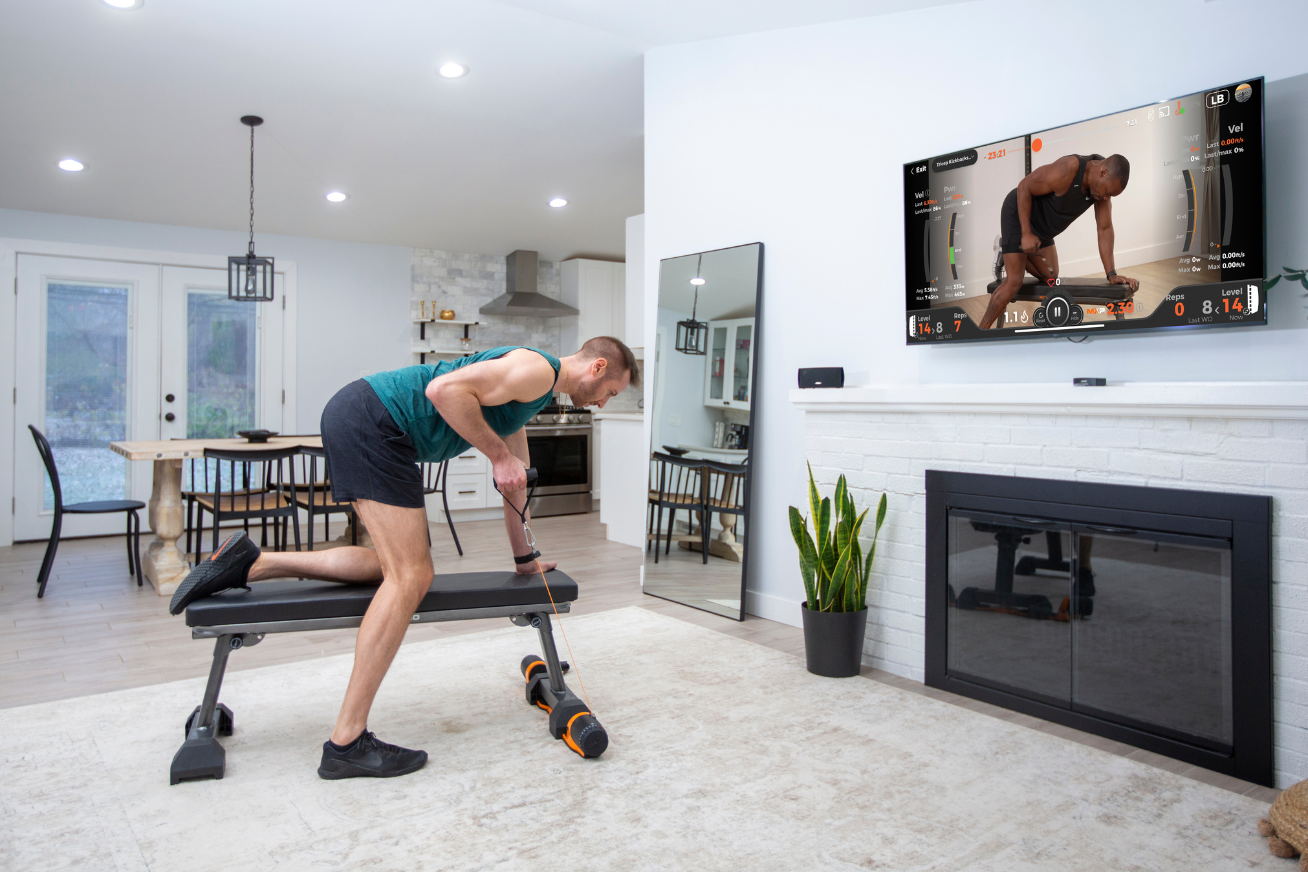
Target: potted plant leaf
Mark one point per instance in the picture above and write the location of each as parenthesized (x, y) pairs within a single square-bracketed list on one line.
[(835, 573)]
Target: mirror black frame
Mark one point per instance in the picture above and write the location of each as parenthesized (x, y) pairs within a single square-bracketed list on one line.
[(746, 516)]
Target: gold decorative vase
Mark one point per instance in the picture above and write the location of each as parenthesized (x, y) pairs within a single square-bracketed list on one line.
[(447, 314)]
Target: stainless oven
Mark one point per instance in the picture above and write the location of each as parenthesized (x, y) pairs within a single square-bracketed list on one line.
[(563, 459)]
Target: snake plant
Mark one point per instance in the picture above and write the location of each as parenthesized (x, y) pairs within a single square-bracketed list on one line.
[(834, 568)]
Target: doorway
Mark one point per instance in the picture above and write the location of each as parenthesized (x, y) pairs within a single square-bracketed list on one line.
[(110, 350)]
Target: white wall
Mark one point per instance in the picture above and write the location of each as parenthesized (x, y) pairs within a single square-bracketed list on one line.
[(798, 141), (353, 311)]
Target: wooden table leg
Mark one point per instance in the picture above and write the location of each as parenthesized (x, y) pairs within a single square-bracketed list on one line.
[(163, 564), (362, 535)]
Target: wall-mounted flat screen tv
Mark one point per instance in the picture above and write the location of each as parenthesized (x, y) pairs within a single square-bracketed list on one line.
[(1148, 218)]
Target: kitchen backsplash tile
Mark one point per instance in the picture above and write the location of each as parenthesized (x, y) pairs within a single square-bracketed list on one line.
[(466, 282)]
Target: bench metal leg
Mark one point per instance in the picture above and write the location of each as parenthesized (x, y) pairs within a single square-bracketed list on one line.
[(201, 755), (570, 718)]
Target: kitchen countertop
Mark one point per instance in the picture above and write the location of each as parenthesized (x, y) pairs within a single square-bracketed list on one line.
[(731, 452), (617, 416)]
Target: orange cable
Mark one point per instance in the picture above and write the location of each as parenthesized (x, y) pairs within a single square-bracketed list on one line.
[(567, 644)]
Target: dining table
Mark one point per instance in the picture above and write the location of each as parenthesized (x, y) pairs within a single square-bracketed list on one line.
[(162, 563)]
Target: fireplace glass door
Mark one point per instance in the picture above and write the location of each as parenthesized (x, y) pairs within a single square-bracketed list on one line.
[(1162, 615), (1126, 625), (1010, 587)]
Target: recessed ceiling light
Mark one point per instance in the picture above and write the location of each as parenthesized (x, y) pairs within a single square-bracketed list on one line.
[(697, 281), (125, 4), (72, 166), (453, 70), (558, 202), (337, 197)]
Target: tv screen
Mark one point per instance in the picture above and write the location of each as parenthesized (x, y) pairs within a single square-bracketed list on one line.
[(1148, 218)]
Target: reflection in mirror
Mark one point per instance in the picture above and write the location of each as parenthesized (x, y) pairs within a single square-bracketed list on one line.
[(705, 364)]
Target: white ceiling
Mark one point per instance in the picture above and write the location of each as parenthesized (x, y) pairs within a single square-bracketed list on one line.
[(667, 22), (150, 100)]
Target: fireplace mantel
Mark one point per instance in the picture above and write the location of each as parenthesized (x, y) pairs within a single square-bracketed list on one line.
[(1268, 399)]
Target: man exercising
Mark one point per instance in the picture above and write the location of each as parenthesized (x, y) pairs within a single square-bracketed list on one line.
[(375, 432), (1043, 205)]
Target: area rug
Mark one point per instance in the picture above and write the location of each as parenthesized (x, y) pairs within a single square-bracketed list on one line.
[(725, 755)]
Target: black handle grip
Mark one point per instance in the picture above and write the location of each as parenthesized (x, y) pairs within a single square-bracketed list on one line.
[(170, 417), (532, 477)]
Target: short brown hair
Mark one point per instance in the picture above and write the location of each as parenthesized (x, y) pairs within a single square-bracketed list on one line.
[(616, 353)]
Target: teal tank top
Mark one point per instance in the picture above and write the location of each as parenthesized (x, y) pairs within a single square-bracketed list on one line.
[(403, 393)]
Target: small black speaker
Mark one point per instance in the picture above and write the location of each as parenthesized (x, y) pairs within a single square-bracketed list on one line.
[(822, 377)]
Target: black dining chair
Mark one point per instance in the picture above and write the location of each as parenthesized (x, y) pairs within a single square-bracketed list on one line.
[(436, 479), (676, 483), (316, 497), (95, 507), (250, 484)]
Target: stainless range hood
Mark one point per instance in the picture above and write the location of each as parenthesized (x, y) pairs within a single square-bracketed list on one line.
[(521, 297)]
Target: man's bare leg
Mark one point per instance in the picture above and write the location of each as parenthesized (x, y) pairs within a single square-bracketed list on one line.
[(1014, 269), (400, 536), (349, 563)]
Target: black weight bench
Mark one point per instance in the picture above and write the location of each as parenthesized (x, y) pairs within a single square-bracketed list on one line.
[(241, 618)]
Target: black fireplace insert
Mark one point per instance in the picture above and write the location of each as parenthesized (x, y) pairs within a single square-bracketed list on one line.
[(1136, 613)]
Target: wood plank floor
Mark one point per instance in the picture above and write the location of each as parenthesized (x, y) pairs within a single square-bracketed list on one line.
[(96, 631)]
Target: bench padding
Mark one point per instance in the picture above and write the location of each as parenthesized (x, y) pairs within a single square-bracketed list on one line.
[(310, 600), (1081, 290)]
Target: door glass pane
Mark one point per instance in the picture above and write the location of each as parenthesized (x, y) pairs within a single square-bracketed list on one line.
[(222, 372), (718, 362), (86, 389), (1009, 588), (1162, 614), (740, 368)]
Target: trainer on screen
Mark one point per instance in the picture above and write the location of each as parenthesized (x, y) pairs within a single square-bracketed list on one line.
[(1043, 205)]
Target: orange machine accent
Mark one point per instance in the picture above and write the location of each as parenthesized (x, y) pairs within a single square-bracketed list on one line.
[(567, 733)]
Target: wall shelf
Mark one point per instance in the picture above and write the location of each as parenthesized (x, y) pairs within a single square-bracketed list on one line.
[(441, 352), (423, 322)]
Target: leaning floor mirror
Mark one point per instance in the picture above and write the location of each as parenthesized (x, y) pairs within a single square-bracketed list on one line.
[(704, 382)]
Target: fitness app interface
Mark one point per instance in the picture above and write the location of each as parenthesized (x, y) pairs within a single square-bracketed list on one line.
[(1185, 235)]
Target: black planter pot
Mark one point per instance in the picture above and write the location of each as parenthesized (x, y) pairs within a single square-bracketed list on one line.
[(833, 642)]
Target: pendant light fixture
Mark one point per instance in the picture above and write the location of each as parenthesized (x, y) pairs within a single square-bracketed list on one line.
[(692, 335), (250, 278)]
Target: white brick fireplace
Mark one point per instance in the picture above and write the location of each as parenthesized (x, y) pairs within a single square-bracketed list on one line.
[(1238, 437)]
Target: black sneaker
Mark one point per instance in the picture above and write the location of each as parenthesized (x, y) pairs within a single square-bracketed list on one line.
[(367, 757), (227, 567)]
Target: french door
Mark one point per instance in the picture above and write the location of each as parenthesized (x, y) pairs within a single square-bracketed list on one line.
[(221, 358), (87, 373), (109, 351)]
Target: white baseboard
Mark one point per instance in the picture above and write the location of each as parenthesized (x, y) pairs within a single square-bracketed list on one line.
[(773, 608)]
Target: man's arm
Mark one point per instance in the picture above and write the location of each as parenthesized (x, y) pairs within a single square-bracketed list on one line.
[(520, 375), (1049, 179), (1107, 240), (512, 523)]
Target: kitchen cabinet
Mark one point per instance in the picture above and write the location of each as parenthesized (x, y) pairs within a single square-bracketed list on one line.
[(729, 371), (470, 486), (597, 288)]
